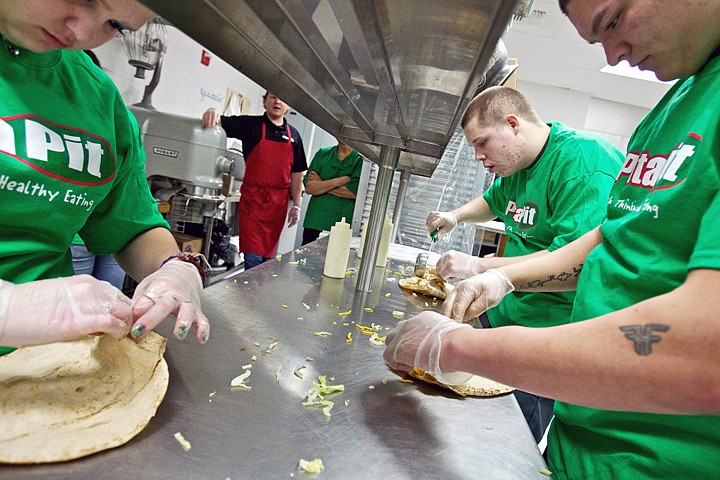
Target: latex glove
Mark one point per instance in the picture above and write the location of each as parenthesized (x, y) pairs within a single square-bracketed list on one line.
[(456, 264), (210, 118), (443, 222), (61, 309), (174, 289), (293, 215), (473, 296), (416, 343)]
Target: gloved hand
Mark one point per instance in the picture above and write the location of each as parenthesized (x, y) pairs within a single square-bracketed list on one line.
[(61, 309), (473, 296), (210, 118), (293, 215), (416, 343), (174, 289), (456, 264), (443, 222)]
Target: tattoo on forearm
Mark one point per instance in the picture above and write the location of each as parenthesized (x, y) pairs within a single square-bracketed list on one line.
[(642, 336), (559, 277)]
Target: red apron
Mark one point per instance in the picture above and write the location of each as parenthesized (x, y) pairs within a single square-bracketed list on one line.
[(264, 195)]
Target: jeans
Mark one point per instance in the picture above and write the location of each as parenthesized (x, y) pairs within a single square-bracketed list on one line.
[(253, 259), (538, 411), (102, 267)]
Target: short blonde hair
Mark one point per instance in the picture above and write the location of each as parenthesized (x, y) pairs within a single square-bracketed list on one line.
[(492, 105)]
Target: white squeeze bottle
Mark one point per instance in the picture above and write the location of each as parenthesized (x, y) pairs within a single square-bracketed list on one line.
[(384, 243), (338, 250)]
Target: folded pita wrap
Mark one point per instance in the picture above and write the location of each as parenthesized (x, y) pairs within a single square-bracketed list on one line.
[(66, 400), (477, 386)]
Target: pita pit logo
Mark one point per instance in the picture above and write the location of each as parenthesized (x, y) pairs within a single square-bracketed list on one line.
[(67, 154), (655, 172), (525, 216)]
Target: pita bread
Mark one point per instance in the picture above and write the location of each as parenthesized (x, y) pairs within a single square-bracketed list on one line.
[(477, 386), (66, 400), (430, 284)]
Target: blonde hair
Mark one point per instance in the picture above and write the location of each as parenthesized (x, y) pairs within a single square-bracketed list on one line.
[(491, 106)]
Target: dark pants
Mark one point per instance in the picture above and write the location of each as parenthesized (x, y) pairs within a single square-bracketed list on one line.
[(253, 260), (310, 235), (538, 411)]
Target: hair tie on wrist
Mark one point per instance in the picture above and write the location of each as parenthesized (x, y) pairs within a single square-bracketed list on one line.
[(197, 259)]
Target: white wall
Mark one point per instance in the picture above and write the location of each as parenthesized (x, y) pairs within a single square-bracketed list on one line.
[(181, 79), (615, 121)]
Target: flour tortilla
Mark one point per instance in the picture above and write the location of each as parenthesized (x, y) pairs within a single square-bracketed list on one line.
[(66, 400), (477, 386), (430, 284)]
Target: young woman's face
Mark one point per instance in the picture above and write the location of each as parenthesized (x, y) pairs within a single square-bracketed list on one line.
[(44, 25)]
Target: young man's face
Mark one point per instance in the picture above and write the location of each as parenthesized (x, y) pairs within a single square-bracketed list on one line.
[(673, 38), (276, 108), (44, 25), (501, 150)]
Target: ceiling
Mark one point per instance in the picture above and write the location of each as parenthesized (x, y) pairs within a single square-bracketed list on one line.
[(550, 52)]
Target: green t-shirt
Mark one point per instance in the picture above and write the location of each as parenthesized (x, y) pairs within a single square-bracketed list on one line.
[(326, 209), (71, 161), (663, 220), (562, 196)]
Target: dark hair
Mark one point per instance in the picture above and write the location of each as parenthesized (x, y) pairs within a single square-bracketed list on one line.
[(563, 6), (93, 57), (491, 106)]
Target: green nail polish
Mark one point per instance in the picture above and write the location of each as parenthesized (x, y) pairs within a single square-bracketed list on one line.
[(137, 331), (204, 337), (181, 332)]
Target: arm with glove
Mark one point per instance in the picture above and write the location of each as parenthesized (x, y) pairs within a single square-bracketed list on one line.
[(555, 271), (171, 284), (61, 309)]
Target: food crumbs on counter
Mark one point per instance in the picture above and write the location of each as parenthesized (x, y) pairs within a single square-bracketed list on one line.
[(242, 348), (245, 282), (254, 358), (368, 309), (387, 294), (183, 443), (309, 359), (306, 305), (212, 394), (371, 387), (278, 257), (322, 334), (342, 314), (348, 339), (384, 381), (239, 381), (311, 466), (377, 341), (301, 318), (274, 274), (284, 306), (277, 373), (298, 372), (405, 380), (544, 471), (256, 344), (345, 324), (391, 280), (334, 323), (398, 314), (347, 402), (271, 347), (316, 396), (426, 305), (227, 286)]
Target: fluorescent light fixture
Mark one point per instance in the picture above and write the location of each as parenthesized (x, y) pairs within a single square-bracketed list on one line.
[(625, 70)]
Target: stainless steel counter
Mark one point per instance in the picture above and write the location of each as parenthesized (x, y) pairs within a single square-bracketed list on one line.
[(390, 430)]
